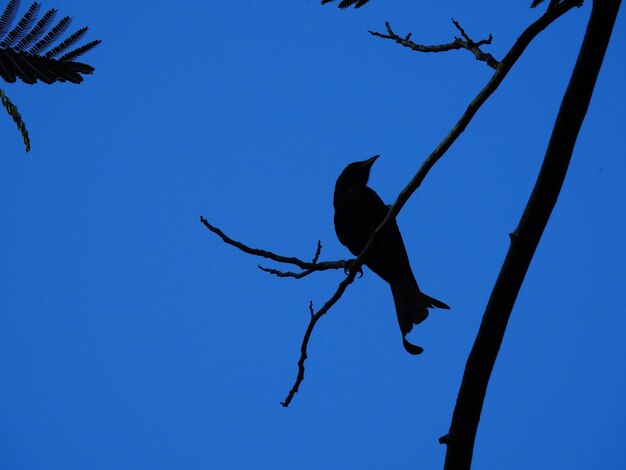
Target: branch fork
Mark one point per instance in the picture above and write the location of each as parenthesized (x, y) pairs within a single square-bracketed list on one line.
[(353, 267), (459, 43)]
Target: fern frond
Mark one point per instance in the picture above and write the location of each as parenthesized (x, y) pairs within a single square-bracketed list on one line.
[(22, 49), (6, 20), (17, 118), (35, 34), (30, 69), (76, 53), (8, 63), (23, 26), (55, 51), (55, 33)]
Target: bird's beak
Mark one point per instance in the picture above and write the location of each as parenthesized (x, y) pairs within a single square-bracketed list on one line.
[(369, 162)]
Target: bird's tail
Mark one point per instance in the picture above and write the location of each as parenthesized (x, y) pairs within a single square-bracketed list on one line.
[(412, 308)]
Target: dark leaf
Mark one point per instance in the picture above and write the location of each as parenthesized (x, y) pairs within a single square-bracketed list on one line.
[(75, 37), (6, 20), (23, 26), (79, 51), (55, 33), (39, 30)]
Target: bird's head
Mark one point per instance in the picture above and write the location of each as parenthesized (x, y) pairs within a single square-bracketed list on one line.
[(357, 173)]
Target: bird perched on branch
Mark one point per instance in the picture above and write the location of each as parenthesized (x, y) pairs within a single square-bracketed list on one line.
[(358, 212)]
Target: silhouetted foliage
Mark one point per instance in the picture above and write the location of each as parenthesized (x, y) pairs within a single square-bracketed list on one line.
[(348, 3), (17, 118), (26, 51)]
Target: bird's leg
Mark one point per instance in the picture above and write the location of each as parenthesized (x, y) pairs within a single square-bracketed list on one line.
[(348, 268)]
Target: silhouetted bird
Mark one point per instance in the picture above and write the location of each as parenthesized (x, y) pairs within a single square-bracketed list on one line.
[(358, 211)]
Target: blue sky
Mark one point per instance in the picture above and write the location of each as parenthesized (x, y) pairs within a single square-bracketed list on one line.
[(133, 338)]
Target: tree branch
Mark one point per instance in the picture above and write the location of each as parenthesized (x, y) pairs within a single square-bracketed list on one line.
[(524, 240), (501, 72), (343, 285), (307, 267), (355, 265), (503, 69), (458, 43)]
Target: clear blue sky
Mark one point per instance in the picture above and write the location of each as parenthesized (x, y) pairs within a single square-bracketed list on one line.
[(131, 337)]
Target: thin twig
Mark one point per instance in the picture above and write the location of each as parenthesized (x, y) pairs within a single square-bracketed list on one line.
[(319, 266), (307, 267), (318, 251), (458, 43), (279, 273), (307, 334)]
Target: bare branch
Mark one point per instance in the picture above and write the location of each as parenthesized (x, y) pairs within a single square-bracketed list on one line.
[(354, 266), (458, 43), (279, 273), (462, 31), (307, 267), (343, 285), (501, 72), (320, 266), (318, 251)]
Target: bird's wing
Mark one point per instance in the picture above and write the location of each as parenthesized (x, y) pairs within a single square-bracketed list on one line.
[(388, 258), (357, 217)]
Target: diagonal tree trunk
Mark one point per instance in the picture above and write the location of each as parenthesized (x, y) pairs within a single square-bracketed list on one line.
[(525, 238)]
